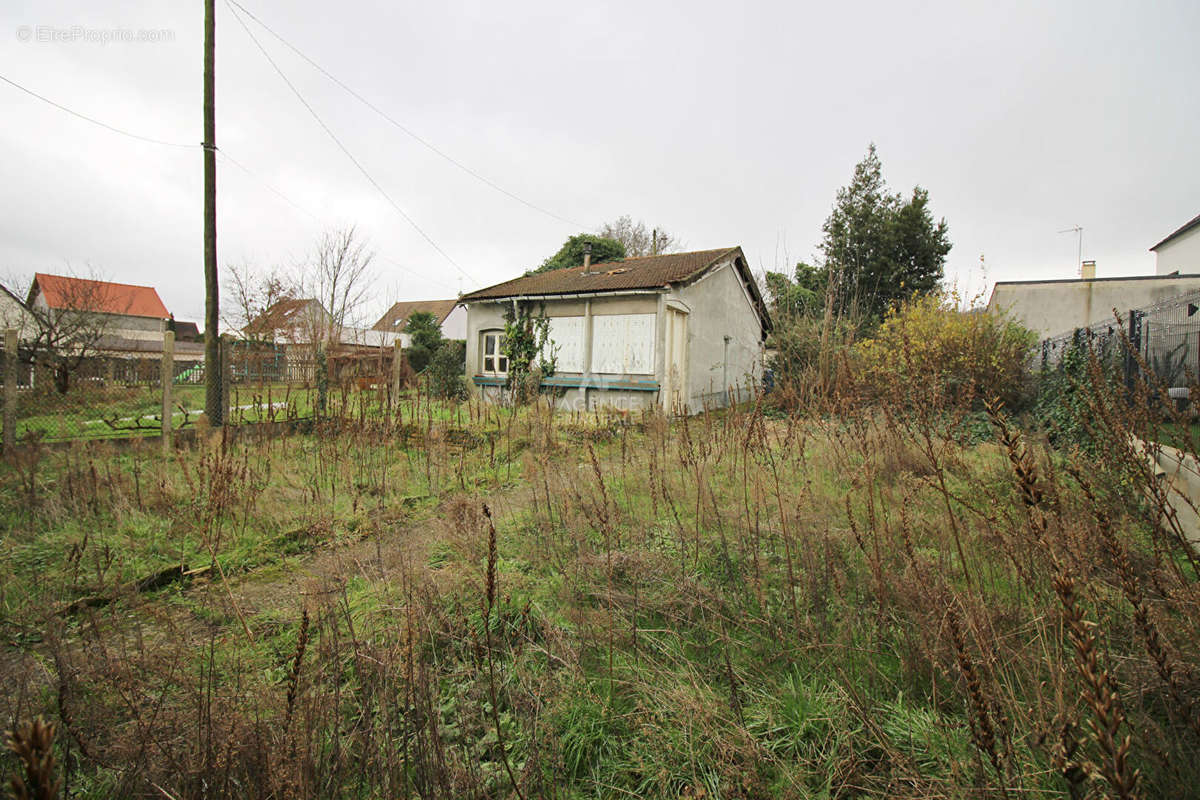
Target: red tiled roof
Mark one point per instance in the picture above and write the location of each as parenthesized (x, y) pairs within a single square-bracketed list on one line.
[(397, 316), (647, 272), (84, 294)]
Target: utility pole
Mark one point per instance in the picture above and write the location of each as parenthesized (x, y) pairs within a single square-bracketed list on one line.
[(212, 338)]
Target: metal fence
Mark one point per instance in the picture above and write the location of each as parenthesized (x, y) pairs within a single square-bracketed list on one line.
[(58, 396), (1165, 337)]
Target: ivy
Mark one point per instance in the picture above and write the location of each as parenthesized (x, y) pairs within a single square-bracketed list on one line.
[(527, 346)]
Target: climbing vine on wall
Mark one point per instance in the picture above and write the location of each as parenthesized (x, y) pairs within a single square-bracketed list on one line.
[(530, 354)]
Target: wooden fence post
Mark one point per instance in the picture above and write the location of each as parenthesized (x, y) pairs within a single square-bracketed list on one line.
[(397, 363), (167, 377), (10, 389), (226, 375)]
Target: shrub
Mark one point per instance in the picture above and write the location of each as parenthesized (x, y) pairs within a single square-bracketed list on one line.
[(927, 343), (425, 339), (445, 370)]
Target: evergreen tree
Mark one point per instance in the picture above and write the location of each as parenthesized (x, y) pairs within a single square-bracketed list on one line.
[(425, 339), (880, 248), (571, 253)]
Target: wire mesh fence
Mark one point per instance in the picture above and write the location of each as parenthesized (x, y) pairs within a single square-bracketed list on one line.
[(1159, 342), (102, 395)]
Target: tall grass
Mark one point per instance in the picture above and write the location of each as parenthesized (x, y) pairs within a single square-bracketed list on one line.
[(905, 597)]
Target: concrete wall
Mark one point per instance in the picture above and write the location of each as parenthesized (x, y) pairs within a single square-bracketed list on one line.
[(1181, 254), (719, 307), (1051, 308)]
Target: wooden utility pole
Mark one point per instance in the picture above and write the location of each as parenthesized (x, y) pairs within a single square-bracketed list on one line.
[(212, 339), (167, 378)]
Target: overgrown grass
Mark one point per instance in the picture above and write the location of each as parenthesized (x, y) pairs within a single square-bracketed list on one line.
[(866, 601)]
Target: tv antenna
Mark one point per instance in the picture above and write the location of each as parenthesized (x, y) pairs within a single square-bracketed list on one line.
[(1078, 231)]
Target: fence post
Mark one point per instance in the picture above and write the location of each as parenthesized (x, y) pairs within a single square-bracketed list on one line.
[(226, 375), (10, 389), (397, 363), (167, 377), (1135, 346)]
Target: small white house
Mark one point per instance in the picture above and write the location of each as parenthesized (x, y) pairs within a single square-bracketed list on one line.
[(683, 331), (1179, 252)]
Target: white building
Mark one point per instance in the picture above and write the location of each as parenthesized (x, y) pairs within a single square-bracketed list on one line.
[(1179, 252)]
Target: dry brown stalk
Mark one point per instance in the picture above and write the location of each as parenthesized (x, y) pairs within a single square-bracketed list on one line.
[(1100, 694), (983, 732), (297, 662), (33, 745), (490, 598)]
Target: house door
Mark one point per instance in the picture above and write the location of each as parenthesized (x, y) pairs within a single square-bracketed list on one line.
[(674, 396)]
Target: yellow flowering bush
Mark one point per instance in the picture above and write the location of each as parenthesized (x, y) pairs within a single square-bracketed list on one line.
[(927, 345)]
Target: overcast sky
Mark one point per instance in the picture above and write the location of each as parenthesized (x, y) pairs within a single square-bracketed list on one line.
[(724, 123)]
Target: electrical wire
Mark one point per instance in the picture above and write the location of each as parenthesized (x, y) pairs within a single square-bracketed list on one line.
[(346, 150), (224, 155), (93, 120), (415, 136)]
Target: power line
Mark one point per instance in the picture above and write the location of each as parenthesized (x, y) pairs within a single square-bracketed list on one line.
[(346, 150), (224, 154), (93, 120), (356, 95)]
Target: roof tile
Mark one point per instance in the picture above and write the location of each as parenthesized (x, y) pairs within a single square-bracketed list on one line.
[(647, 272), (83, 294), (398, 314)]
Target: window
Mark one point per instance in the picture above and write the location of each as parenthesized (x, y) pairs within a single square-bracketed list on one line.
[(623, 344), (494, 360), (565, 343)]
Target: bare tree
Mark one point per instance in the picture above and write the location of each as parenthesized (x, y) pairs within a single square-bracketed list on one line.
[(337, 276), (250, 296), (638, 239), (61, 334)]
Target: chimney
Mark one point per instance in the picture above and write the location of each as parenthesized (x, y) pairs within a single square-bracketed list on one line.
[(1087, 270), (587, 256)]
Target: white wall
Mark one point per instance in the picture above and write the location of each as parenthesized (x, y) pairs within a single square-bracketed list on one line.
[(454, 326), (1181, 254), (719, 307), (14, 315)]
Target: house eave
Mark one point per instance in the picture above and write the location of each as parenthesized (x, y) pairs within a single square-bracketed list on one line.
[(565, 295)]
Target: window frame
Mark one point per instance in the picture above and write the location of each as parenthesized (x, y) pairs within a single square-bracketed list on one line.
[(498, 361)]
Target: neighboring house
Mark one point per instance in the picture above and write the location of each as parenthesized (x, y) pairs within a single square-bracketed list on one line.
[(187, 332), (1179, 252), (302, 321), (1050, 308), (675, 330), (123, 311), (290, 321), (449, 315)]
